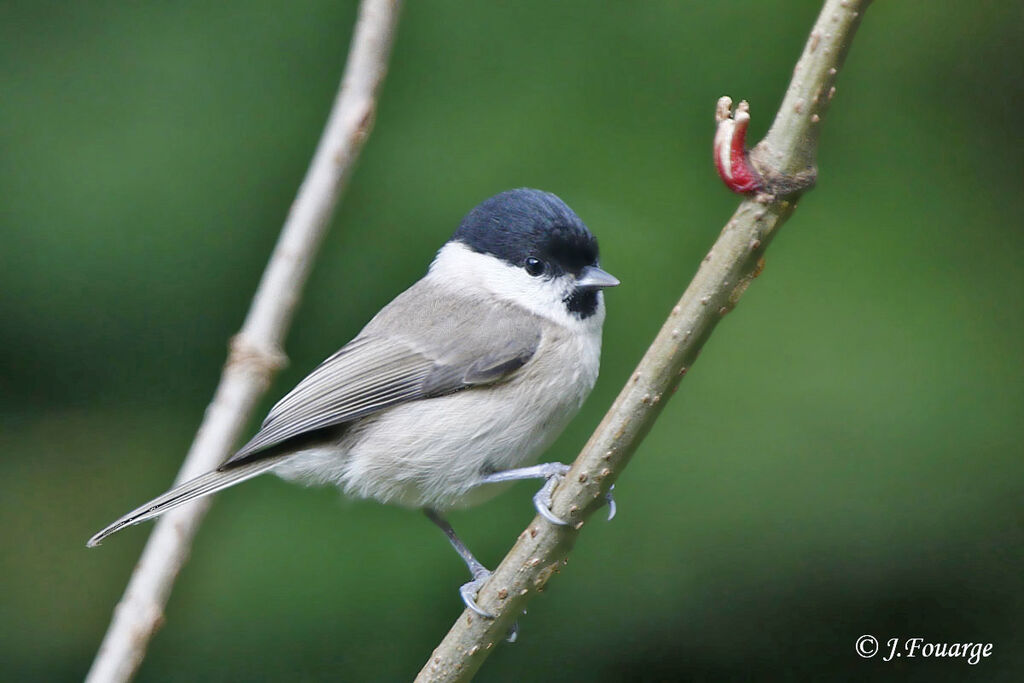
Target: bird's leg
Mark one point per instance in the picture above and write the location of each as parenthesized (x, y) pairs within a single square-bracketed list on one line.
[(479, 572), (553, 473)]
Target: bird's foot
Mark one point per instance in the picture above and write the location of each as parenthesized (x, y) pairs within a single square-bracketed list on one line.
[(469, 590), (555, 472), (542, 499)]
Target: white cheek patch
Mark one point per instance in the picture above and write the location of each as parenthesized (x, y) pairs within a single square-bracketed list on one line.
[(458, 265)]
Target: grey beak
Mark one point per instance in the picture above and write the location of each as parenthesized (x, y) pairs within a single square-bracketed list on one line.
[(593, 277)]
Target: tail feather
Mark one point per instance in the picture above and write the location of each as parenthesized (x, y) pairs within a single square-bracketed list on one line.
[(203, 485)]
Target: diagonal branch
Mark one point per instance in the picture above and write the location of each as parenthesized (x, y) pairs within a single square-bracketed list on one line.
[(785, 162), (255, 352)]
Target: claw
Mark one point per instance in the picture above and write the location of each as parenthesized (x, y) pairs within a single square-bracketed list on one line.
[(542, 500), (469, 590), (611, 503)]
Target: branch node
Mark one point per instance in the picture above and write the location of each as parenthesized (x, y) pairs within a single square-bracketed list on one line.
[(747, 171), (250, 356), (731, 156)]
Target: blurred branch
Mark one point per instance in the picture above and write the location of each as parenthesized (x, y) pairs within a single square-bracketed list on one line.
[(255, 352), (784, 163)]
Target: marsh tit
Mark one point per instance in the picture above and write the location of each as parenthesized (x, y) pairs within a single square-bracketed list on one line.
[(453, 388)]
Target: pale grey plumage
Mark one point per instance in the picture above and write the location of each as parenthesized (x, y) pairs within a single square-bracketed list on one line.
[(203, 485), (405, 353), (472, 371)]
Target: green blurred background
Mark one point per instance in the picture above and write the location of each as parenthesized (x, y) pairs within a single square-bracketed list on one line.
[(845, 459)]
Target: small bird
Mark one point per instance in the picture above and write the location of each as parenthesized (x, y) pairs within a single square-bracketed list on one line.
[(453, 388)]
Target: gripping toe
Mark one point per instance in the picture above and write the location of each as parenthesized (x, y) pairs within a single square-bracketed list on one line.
[(610, 499), (542, 501), (468, 593)]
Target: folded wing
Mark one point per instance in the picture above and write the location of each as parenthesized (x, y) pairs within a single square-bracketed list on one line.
[(384, 367)]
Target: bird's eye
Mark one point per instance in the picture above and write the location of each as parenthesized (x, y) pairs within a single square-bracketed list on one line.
[(535, 267)]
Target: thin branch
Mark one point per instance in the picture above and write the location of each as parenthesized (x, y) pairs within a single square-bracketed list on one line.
[(255, 353), (786, 157)]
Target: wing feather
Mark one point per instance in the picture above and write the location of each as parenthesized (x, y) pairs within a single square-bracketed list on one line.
[(383, 367)]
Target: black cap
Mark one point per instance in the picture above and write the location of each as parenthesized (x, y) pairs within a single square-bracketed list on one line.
[(524, 223)]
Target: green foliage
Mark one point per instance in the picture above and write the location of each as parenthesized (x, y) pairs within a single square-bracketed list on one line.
[(844, 459)]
